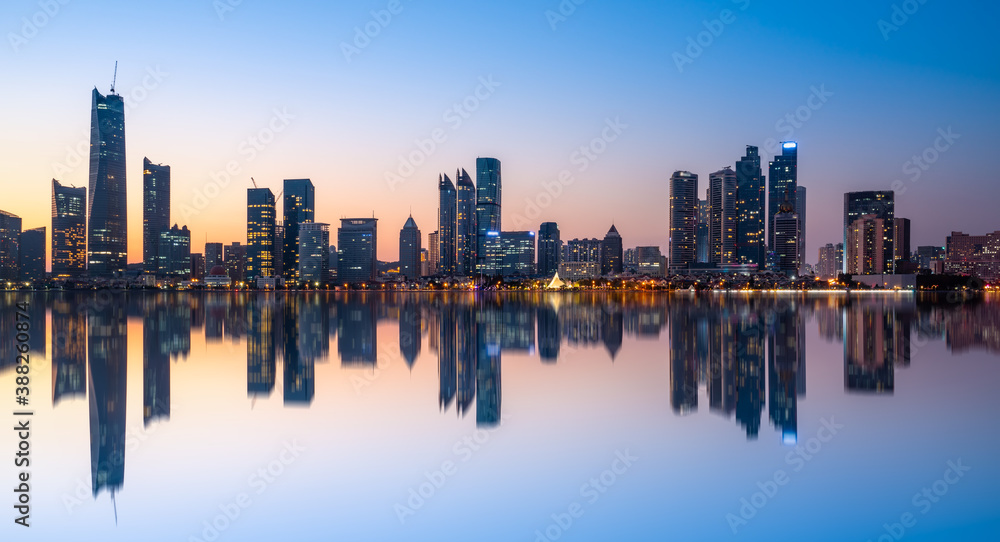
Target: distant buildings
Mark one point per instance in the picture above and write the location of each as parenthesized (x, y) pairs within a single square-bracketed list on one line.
[(213, 255), (611, 253), (236, 262), (409, 250), (31, 260), (490, 260), (357, 241), (683, 218), (722, 221), (976, 255), (518, 253), (901, 241), (826, 268), (299, 206), (69, 231), (155, 211), (107, 229), (800, 209), (549, 249), (786, 239), (174, 253), (649, 261), (10, 240), (866, 249)]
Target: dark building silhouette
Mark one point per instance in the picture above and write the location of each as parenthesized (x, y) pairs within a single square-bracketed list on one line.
[(783, 180), (155, 361), (261, 219), (299, 206), (750, 199), (69, 349), (410, 322), (107, 228), (32, 255), (549, 333), (683, 219), (409, 250), (155, 211), (213, 255), (107, 349), (465, 224), (611, 252), (357, 242), (549, 249), (488, 197), (262, 314), (447, 224), (69, 231), (10, 241), (879, 204)]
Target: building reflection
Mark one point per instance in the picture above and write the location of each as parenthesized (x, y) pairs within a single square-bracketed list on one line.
[(869, 347), (262, 352), (107, 351), (299, 369), (785, 362), (69, 350)]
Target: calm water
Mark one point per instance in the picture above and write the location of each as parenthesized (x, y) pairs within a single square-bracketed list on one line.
[(221, 416)]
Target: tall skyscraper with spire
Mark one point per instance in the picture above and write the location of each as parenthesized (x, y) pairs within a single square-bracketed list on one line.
[(155, 211), (465, 224), (69, 230), (750, 198), (488, 189), (447, 225), (107, 229), (783, 179)]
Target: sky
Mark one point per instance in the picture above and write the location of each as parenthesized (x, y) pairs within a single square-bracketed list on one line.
[(372, 100)]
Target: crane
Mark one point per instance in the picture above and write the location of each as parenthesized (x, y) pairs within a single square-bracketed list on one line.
[(113, 81), (254, 182)]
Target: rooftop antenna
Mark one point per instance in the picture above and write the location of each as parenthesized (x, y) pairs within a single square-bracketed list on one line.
[(254, 182), (115, 505), (113, 81)]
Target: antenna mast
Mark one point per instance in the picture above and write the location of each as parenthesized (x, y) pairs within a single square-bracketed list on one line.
[(115, 80)]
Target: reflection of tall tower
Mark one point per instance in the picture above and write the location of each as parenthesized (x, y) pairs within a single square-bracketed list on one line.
[(868, 348), (750, 373), (683, 360), (155, 361), (356, 330), (261, 351), (299, 370), (69, 350), (783, 365), (446, 356), (466, 368), (108, 355), (722, 367), (612, 329), (314, 327), (548, 333), (488, 339), (409, 331)]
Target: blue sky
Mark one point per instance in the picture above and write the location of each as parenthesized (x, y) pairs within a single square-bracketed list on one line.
[(225, 79)]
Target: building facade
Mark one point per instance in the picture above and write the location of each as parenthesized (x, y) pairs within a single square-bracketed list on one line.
[(683, 218), (488, 199), (174, 253), (612, 253), (357, 242), (722, 222), (155, 211), (783, 179), (447, 225), (409, 250), (107, 226), (69, 231), (31, 261), (465, 224), (299, 206), (314, 253), (750, 199), (549, 249), (261, 220), (879, 204)]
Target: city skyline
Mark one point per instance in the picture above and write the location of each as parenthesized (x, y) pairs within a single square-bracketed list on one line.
[(861, 136)]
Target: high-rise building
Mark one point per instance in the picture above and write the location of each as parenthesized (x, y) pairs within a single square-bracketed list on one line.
[(174, 253), (839, 251), (611, 253), (433, 253), (447, 224), (213, 255), (279, 246), (901, 240), (409, 250), (32, 255), (584, 250), (786, 239), (155, 211), (261, 218), (975, 255), (197, 266), (488, 192), (826, 266), (880, 204), (783, 179), (465, 224), (299, 206), (800, 209), (866, 239), (518, 253), (69, 230), (722, 223), (683, 218), (10, 241), (750, 242), (314, 253), (357, 242), (236, 262), (649, 261), (490, 259), (549, 249), (702, 241), (107, 230)]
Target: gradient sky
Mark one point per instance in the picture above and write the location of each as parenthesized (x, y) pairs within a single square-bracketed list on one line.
[(225, 75)]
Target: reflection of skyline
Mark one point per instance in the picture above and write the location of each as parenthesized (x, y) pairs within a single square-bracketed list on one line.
[(107, 351)]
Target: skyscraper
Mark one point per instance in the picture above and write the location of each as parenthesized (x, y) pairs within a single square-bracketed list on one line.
[(433, 253), (488, 192), (299, 206), (236, 262), (683, 218), (722, 223), (702, 236), (261, 217), (518, 253), (786, 239), (465, 232), (611, 253), (174, 252), (800, 209), (880, 204), (314, 253), (107, 230), (447, 224), (549, 249), (32, 255), (409, 250), (826, 267), (901, 240), (783, 179), (357, 241), (69, 230), (866, 239), (750, 198), (155, 211), (213, 255), (10, 241)]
